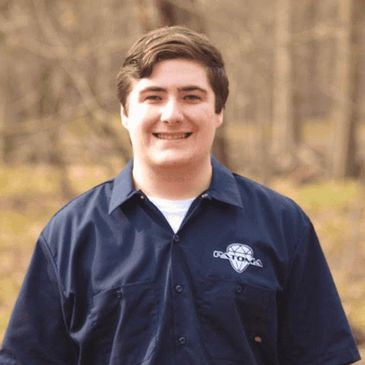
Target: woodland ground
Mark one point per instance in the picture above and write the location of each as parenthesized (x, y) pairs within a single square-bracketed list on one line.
[(29, 195)]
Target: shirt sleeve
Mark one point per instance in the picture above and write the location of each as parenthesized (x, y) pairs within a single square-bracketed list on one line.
[(37, 332), (314, 328)]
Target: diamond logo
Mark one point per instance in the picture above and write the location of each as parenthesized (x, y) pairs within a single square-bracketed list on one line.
[(239, 255)]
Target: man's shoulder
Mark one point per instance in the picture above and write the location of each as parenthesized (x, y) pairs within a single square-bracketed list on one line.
[(271, 211), (261, 197), (256, 189), (84, 207)]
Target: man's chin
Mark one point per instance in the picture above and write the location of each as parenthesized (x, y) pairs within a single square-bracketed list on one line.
[(170, 162)]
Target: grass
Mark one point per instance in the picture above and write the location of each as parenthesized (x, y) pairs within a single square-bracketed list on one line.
[(29, 195)]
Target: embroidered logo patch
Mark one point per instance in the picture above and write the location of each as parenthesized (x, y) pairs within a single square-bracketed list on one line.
[(239, 255)]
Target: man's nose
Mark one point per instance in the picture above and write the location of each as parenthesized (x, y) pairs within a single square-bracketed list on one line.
[(171, 112)]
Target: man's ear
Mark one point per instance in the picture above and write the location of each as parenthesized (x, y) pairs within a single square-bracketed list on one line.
[(219, 120), (124, 117)]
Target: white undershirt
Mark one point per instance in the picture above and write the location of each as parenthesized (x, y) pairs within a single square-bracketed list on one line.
[(173, 210)]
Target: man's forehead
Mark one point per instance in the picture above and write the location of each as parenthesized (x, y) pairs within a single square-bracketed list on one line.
[(184, 75), (161, 89)]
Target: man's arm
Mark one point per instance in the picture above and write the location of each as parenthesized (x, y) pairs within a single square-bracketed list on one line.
[(37, 332), (314, 328)]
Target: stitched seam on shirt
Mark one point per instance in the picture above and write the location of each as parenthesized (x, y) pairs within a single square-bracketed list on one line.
[(48, 253), (75, 199), (9, 359), (299, 246), (346, 356)]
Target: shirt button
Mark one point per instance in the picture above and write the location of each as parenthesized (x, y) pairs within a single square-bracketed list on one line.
[(258, 339), (118, 294), (182, 340), (176, 238), (179, 288), (205, 195), (239, 289)]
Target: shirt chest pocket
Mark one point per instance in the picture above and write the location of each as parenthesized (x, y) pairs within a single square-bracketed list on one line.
[(236, 322), (122, 326)]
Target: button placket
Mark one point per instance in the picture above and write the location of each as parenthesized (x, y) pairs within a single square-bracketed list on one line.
[(181, 293)]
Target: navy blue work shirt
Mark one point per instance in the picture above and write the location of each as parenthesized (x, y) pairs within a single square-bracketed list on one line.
[(243, 281)]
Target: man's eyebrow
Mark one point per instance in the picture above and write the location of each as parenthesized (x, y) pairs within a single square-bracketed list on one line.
[(187, 88), (192, 88), (153, 89)]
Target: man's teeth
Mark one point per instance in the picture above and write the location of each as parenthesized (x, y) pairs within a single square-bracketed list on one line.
[(172, 136)]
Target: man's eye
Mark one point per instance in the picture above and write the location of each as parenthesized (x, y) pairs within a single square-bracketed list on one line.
[(192, 97), (153, 97)]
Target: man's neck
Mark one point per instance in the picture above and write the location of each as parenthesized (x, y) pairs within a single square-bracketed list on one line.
[(173, 183)]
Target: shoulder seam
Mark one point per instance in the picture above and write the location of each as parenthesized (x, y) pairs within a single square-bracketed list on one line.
[(49, 255), (81, 195)]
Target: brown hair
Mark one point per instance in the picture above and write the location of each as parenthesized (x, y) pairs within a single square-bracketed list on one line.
[(171, 43)]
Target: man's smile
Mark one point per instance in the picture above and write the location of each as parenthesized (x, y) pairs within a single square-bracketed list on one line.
[(172, 136)]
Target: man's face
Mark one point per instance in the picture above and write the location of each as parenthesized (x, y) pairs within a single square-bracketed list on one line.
[(171, 119)]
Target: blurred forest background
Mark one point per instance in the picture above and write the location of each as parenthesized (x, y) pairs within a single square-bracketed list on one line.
[(295, 118)]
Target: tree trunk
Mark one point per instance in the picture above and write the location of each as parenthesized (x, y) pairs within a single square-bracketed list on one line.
[(7, 119), (284, 128), (343, 146)]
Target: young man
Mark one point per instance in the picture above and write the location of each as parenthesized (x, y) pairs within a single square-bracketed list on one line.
[(177, 261)]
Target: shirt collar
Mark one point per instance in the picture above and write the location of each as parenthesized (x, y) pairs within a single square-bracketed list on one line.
[(123, 188), (223, 186)]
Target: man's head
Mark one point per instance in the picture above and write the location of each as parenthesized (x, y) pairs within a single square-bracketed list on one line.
[(172, 43)]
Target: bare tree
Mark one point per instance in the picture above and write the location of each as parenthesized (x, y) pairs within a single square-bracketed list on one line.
[(57, 77), (5, 112), (67, 73), (344, 143), (284, 126)]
